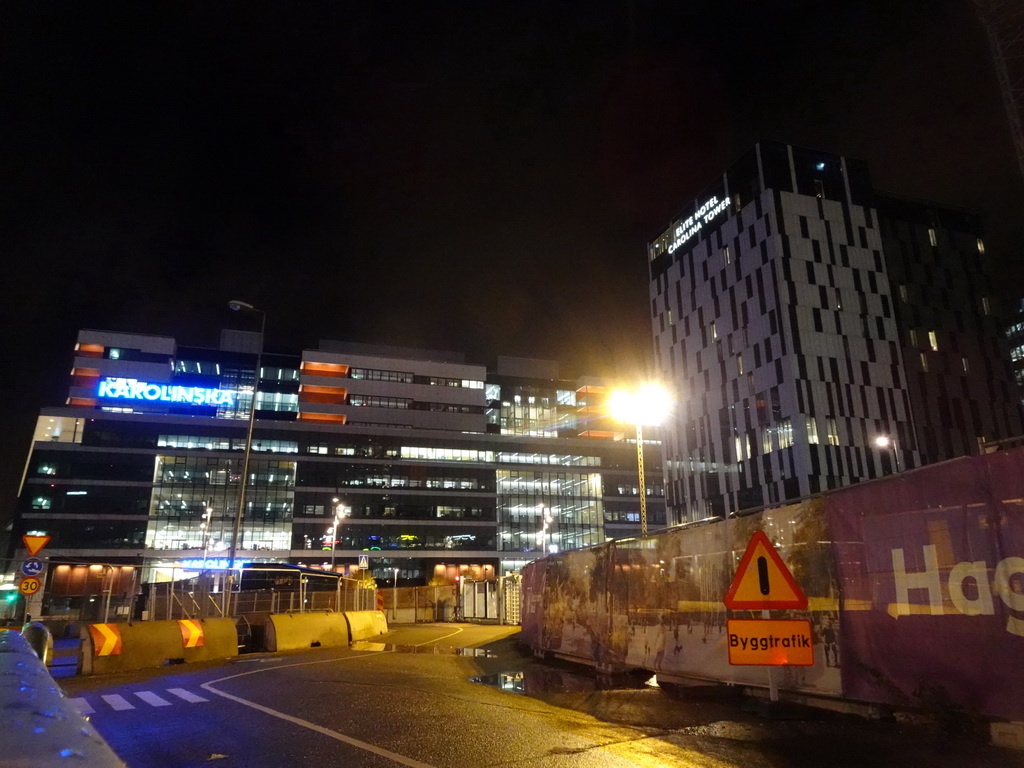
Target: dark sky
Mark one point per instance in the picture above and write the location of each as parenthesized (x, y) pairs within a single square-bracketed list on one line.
[(477, 176)]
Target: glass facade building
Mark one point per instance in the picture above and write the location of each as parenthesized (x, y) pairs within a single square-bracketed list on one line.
[(427, 464)]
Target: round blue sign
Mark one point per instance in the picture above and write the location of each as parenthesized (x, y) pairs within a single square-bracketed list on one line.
[(33, 566)]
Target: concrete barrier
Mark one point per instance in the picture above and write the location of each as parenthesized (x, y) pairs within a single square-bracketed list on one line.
[(295, 631), (41, 728), (364, 624), (108, 648)]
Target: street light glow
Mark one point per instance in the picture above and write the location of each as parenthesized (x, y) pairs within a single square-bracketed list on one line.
[(647, 405)]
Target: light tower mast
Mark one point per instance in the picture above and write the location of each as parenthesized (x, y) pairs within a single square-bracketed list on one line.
[(1004, 24)]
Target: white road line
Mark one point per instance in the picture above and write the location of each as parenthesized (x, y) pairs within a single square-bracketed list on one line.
[(188, 696), (82, 706), (117, 702), (365, 746), (152, 699)]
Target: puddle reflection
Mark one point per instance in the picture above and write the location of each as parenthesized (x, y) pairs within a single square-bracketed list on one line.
[(434, 650), (545, 680)]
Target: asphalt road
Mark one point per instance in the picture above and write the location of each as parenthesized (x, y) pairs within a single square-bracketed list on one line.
[(459, 695)]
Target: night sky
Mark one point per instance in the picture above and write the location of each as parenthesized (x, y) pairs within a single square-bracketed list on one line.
[(479, 177)]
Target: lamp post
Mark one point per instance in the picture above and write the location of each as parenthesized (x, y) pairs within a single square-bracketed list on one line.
[(546, 520), (646, 406), (241, 306), (340, 512), (884, 441), (394, 607)]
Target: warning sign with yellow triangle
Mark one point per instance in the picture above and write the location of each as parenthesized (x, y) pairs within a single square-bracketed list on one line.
[(762, 580)]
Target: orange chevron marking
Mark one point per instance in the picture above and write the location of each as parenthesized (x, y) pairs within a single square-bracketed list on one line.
[(191, 634), (106, 639)]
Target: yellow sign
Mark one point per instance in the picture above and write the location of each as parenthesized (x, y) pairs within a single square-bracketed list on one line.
[(762, 580), (29, 585), (34, 543), (106, 639), (770, 642), (191, 633)]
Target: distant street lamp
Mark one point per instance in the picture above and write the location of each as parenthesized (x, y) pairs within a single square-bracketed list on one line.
[(241, 306), (648, 405), (884, 441), (340, 511)]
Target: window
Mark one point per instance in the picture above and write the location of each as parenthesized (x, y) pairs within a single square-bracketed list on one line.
[(833, 431), (812, 430), (819, 189), (739, 448), (933, 341), (963, 362), (924, 362), (41, 502), (739, 364), (785, 433), (931, 237), (981, 246), (766, 440), (727, 254), (986, 306), (903, 294), (713, 332), (913, 337)]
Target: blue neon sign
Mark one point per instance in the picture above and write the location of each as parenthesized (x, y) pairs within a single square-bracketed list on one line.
[(133, 389)]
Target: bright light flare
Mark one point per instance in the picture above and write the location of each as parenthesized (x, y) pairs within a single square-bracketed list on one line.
[(883, 441), (648, 405)]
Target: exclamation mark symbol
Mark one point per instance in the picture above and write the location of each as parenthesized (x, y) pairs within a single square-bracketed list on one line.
[(762, 575)]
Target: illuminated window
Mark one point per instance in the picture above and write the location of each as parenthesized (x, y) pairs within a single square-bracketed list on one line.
[(931, 237), (981, 246), (986, 306), (819, 189), (766, 440), (963, 361), (933, 341), (833, 431), (41, 502), (785, 433), (812, 430), (739, 449), (728, 255), (714, 332), (903, 293), (924, 362), (913, 337), (739, 364)]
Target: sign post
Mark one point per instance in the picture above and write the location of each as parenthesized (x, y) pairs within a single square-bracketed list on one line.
[(763, 582), (32, 569)]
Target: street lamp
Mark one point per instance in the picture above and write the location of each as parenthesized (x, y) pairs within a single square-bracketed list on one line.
[(884, 441), (546, 520), (340, 511), (242, 306), (648, 405)]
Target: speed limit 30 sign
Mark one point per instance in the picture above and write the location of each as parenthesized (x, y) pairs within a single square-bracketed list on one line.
[(29, 585)]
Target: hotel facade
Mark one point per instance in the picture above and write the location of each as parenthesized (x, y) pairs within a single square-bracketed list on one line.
[(405, 459), (801, 316)]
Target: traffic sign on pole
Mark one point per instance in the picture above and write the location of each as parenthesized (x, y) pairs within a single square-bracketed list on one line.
[(29, 585), (762, 580), (33, 544), (364, 562), (33, 567)]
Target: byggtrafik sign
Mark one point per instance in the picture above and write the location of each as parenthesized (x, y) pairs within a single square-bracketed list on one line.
[(133, 389)]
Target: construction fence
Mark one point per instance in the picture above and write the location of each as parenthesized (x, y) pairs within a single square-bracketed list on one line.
[(915, 587)]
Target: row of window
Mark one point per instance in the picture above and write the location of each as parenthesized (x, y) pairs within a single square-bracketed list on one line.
[(405, 377)]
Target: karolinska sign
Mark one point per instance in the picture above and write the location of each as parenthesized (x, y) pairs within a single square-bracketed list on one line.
[(133, 389), (704, 214)]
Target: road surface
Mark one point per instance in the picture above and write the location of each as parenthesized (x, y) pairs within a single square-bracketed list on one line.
[(463, 696)]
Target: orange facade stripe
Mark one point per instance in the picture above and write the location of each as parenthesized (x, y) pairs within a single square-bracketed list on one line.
[(325, 369), (85, 402), (336, 418), (601, 434), (91, 350), (321, 390)]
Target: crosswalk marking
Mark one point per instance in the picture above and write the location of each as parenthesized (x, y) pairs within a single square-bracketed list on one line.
[(152, 699), (82, 706), (181, 693), (117, 702)]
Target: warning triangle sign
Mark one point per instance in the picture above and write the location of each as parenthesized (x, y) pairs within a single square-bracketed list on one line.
[(35, 543), (762, 580)]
